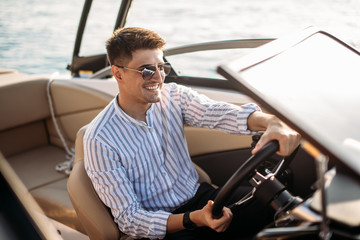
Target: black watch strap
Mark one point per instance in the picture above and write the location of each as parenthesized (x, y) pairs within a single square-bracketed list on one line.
[(188, 224)]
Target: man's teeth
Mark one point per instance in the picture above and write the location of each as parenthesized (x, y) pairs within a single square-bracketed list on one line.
[(152, 87)]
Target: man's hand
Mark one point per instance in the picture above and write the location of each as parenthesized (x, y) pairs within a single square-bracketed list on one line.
[(274, 130), (204, 217)]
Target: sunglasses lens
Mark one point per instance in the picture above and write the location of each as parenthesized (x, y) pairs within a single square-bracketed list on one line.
[(165, 67), (148, 73)]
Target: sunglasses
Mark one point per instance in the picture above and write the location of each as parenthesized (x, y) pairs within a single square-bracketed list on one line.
[(149, 71)]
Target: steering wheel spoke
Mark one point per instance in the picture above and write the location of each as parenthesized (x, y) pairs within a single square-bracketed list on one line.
[(257, 179)]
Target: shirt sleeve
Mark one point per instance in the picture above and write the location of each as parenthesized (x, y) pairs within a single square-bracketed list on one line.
[(115, 190), (200, 111)]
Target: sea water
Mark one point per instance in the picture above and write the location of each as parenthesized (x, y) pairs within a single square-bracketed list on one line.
[(37, 36)]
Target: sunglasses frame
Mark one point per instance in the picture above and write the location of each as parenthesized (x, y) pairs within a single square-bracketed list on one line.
[(150, 72)]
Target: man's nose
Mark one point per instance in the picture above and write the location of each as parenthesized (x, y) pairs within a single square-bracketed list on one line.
[(158, 76)]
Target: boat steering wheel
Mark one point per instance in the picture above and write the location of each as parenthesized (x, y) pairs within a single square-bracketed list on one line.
[(246, 172)]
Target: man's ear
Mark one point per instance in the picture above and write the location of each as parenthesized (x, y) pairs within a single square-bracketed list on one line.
[(116, 73)]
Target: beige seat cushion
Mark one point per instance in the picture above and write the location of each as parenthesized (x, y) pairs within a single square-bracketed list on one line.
[(54, 201), (36, 167)]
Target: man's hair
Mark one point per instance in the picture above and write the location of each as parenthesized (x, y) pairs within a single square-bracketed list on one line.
[(125, 41)]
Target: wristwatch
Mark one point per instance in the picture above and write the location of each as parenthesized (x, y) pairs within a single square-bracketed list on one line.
[(188, 224)]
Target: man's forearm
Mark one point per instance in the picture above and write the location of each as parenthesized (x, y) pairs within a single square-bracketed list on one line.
[(259, 121), (174, 223)]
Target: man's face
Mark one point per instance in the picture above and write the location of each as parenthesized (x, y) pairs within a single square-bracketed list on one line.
[(134, 89)]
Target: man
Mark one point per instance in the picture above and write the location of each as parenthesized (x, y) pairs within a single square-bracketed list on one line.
[(135, 150)]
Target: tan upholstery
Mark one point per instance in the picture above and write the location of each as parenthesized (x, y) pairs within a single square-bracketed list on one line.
[(36, 168), (206, 141), (23, 108), (42, 223), (92, 213), (75, 106), (22, 100), (30, 142)]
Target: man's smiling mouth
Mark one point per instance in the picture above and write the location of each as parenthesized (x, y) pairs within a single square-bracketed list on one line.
[(152, 87)]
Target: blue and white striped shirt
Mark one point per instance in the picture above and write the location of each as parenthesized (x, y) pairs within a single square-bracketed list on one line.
[(143, 171)]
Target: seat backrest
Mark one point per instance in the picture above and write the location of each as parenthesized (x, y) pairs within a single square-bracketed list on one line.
[(91, 211)]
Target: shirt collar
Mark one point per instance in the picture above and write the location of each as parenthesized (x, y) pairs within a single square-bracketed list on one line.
[(123, 115)]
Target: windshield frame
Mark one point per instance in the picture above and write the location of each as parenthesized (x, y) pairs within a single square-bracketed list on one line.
[(96, 62)]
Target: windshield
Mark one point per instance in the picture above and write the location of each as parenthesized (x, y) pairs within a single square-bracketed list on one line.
[(313, 84), (186, 22)]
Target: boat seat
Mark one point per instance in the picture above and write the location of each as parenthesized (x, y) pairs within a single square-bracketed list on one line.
[(92, 213), (29, 141)]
